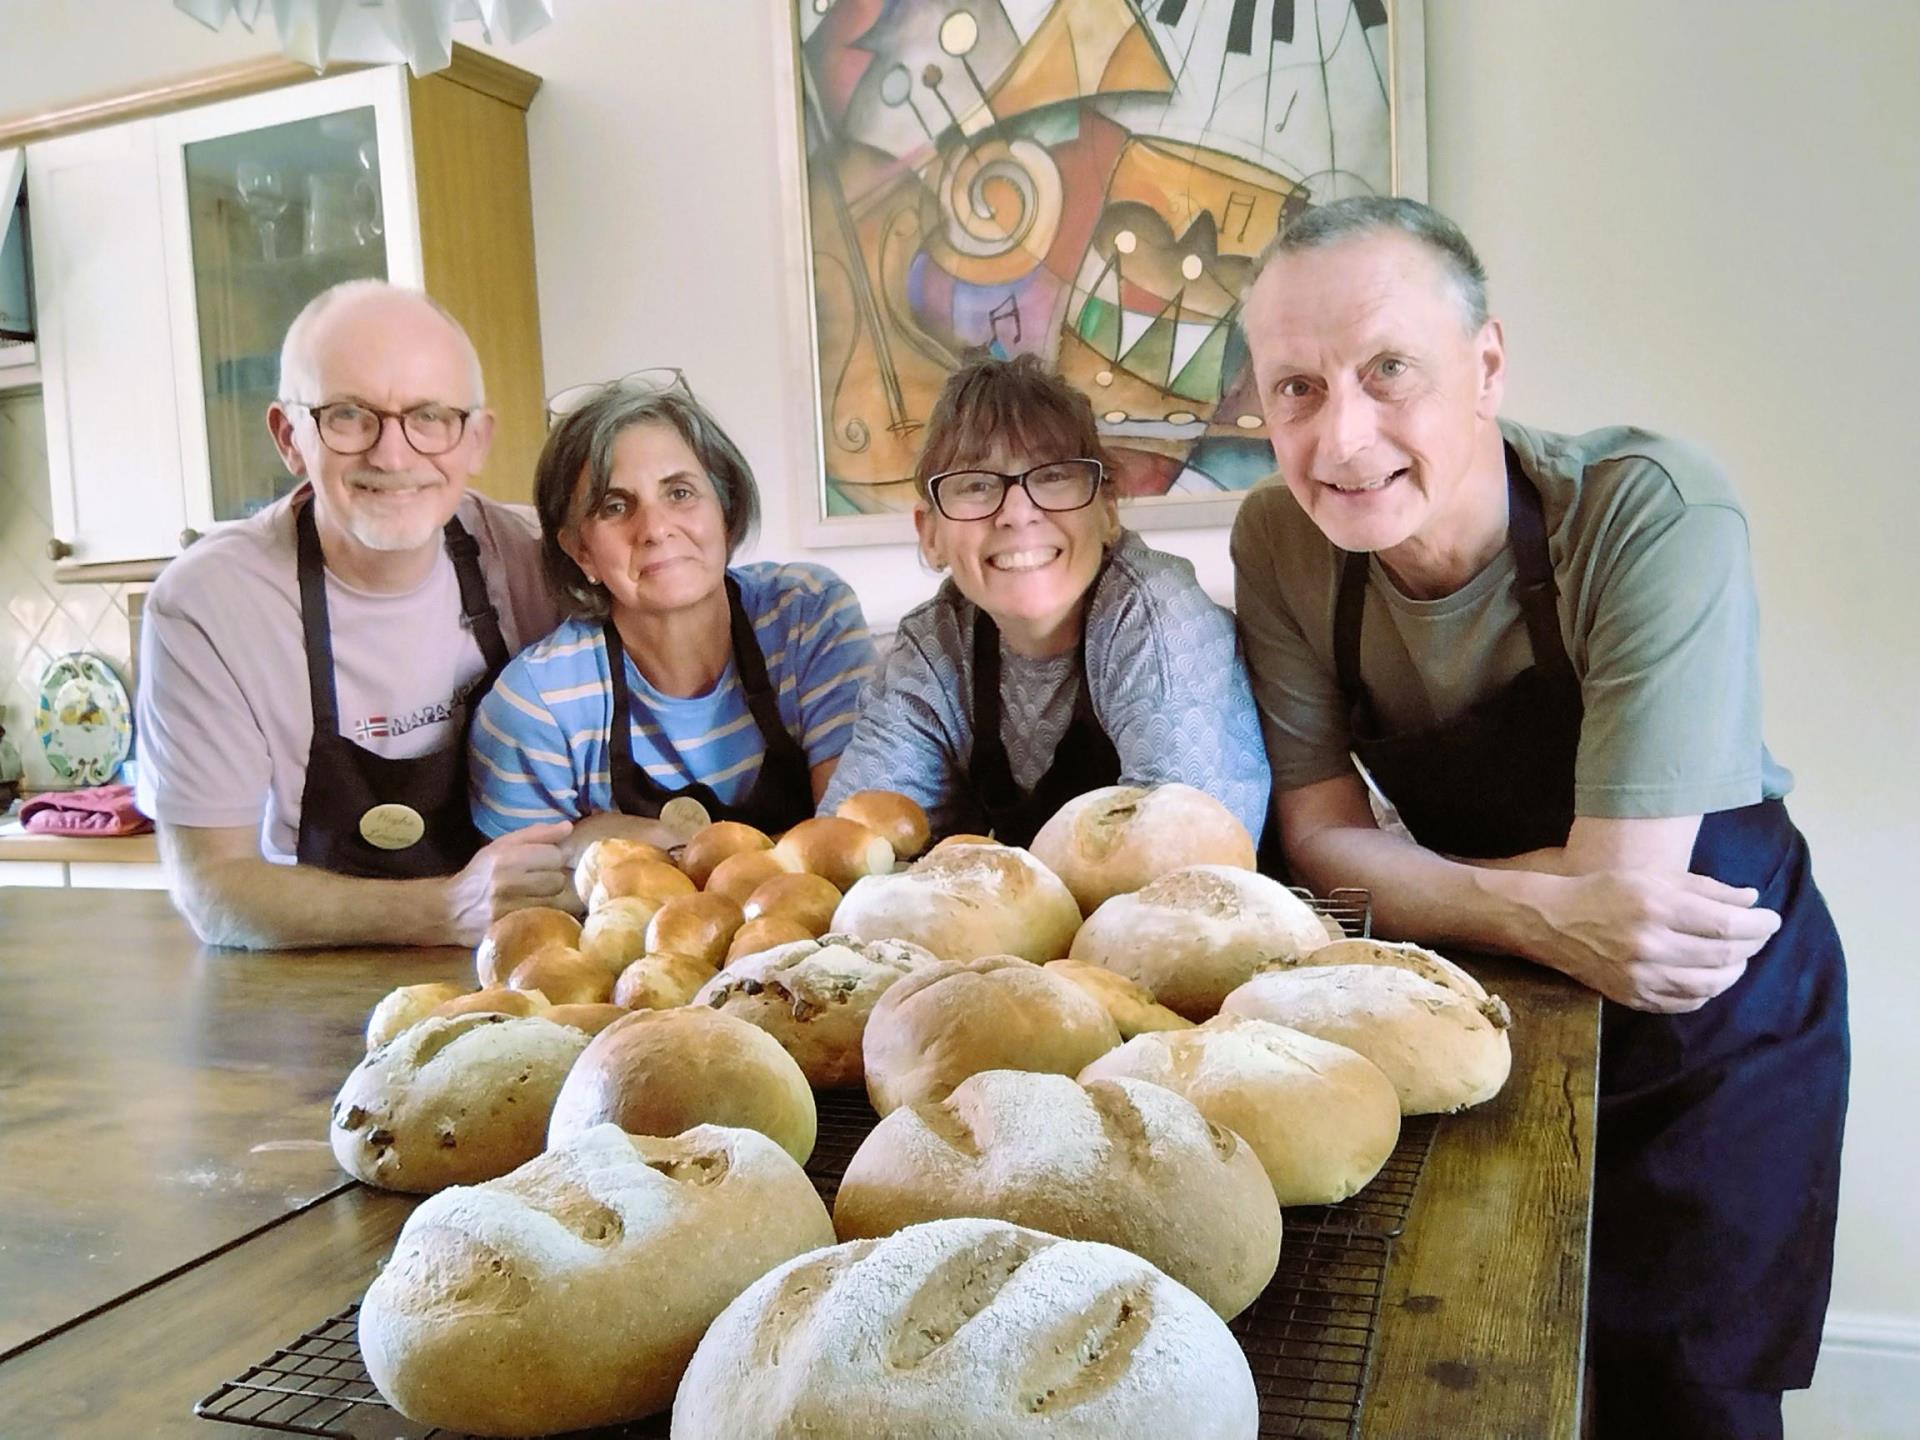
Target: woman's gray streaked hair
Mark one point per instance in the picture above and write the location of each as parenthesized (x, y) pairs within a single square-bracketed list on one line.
[(1366, 214), (576, 467)]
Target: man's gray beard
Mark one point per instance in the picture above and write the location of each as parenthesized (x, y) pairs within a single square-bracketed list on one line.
[(390, 536)]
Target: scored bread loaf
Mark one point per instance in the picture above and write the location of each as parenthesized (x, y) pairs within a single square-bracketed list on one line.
[(814, 997), (1442, 1051), (519, 934), (452, 1101), (1193, 935), (1322, 1119), (943, 1022), (1131, 1004), (964, 901), (968, 1330), (1120, 1161), (407, 1006), (659, 1072), (1120, 838), (572, 1292)]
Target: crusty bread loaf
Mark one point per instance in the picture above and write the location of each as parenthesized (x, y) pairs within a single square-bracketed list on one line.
[(1441, 1051), (1322, 1119), (721, 840), (890, 815), (943, 1022), (615, 935), (1192, 936), (809, 900), (654, 880), (964, 901), (835, 849), (452, 1101), (1120, 1161), (591, 1019), (1417, 959), (586, 870), (407, 1006), (518, 934), (1121, 838), (738, 876), (564, 976), (699, 926), (659, 1072), (493, 1001), (968, 1330), (572, 1292), (814, 997), (1131, 1004), (660, 982)]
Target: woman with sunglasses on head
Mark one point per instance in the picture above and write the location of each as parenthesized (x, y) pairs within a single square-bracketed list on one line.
[(1062, 653), (676, 673)]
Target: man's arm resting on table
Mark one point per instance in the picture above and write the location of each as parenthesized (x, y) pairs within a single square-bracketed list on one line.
[(1614, 908), (231, 896)]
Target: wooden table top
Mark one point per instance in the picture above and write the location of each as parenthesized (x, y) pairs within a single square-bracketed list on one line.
[(1480, 1329)]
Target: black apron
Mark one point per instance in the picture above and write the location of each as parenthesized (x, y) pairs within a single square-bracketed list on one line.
[(1083, 760), (782, 793), (346, 782), (1718, 1151)]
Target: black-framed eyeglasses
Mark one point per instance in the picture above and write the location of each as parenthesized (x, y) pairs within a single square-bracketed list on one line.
[(978, 494), (348, 427), (656, 379)]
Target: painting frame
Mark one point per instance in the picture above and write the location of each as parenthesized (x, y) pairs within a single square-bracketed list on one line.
[(816, 525)]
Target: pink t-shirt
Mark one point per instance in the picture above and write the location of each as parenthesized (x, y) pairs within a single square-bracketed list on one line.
[(225, 719)]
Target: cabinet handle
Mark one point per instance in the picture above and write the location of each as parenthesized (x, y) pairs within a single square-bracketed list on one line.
[(188, 536), (58, 549)]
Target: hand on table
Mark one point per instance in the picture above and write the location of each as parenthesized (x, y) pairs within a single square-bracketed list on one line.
[(526, 868)]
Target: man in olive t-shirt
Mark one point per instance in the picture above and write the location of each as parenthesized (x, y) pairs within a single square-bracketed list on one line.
[(1543, 651)]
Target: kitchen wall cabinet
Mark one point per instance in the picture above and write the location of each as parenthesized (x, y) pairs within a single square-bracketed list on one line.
[(171, 251)]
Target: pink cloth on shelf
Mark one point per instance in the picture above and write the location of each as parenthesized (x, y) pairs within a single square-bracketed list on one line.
[(102, 810)]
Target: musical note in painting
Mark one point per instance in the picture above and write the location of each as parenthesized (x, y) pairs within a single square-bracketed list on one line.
[(1239, 204), (1009, 311)]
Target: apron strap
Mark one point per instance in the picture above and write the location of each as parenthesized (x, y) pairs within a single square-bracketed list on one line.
[(1349, 608), (751, 663), (318, 633), (475, 606)]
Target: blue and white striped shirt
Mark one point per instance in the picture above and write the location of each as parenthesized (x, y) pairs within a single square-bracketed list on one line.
[(539, 739)]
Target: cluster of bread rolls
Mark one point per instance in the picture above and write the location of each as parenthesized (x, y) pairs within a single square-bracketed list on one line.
[(1103, 1064)]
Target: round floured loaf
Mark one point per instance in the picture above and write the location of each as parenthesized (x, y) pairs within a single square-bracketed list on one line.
[(1119, 1161), (946, 1021), (572, 1292), (968, 1330), (1192, 936), (453, 1100), (1404, 955), (1441, 1051), (1120, 838), (814, 997), (965, 901), (1131, 1004), (659, 1072), (1322, 1119)]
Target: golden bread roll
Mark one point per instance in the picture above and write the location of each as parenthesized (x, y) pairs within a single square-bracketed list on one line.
[(839, 850), (660, 982), (1131, 1004), (565, 977), (1120, 1161), (408, 1005), (966, 901), (1121, 838), (518, 934), (494, 1000), (586, 870), (591, 1019), (655, 880), (900, 821), (738, 876), (941, 1023), (764, 934), (615, 935), (808, 899), (452, 1101), (659, 1072), (719, 841), (700, 926)]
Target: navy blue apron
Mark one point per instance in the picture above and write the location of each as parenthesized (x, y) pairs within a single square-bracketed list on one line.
[(345, 781), (782, 793), (1084, 760), (1716, 1177)]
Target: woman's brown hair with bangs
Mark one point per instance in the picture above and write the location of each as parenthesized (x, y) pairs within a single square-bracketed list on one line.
[(1018, 403)]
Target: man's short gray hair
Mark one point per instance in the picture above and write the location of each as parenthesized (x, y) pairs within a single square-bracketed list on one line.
[(300, 370), (1358, 215), (583, 442)]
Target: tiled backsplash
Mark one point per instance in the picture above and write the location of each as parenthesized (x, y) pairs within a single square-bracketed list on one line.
[(39, 618)]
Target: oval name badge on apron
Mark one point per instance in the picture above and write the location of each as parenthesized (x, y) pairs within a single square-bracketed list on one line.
[(392, 827)]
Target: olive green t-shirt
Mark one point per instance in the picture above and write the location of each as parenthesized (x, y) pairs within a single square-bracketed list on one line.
[(1657, 609)]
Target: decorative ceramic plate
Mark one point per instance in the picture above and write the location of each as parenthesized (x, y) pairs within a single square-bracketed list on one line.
[(84, 722)]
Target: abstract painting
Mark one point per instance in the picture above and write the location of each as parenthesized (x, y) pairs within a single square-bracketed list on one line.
[(1085, 180)]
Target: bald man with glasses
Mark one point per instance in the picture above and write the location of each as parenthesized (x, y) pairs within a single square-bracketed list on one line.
[(307, 673)]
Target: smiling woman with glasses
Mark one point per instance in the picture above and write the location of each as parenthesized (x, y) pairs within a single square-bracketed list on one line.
[(679, 674), (1062, 653)]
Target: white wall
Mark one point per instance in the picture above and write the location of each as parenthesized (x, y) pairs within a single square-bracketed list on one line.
[(1700, 218)]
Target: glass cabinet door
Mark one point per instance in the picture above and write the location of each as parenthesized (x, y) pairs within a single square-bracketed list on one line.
[(275, 215)]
